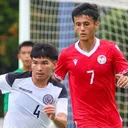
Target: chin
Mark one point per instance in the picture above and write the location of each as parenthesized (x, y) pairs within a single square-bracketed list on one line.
[(84, 39), (39, 79)]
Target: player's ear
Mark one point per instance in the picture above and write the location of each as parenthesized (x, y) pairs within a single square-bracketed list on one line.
[(18, 56), (97, 24), (54, 64), (74, 27)]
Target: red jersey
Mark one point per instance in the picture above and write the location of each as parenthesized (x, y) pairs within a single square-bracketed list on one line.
[(92, 83)]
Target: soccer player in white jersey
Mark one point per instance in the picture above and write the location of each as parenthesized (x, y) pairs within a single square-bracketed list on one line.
[(36, 100), (92, 65)]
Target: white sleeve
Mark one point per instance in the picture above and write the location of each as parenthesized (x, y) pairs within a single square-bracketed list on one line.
[(62, 106), (4, 86)]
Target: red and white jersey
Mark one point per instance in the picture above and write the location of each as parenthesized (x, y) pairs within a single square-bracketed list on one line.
[(92, 82)]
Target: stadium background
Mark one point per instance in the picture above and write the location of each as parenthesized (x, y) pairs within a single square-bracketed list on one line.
[(50, 21)]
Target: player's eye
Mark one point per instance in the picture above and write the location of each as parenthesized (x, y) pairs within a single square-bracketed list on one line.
[(86, 23), (23, 53), (78, 24), (45, 63), (34, 62)]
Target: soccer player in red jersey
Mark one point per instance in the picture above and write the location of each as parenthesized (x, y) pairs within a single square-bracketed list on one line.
[(92, 65)]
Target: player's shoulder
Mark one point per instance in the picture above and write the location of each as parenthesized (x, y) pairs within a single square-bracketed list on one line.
[(60, 86), (66, 52), (56, 83), (69, 49), (12, 76), (20, 74), (107, 43)]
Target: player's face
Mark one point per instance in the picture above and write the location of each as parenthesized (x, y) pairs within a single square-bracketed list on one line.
[(42, 69), (85, 27), (24, 55)]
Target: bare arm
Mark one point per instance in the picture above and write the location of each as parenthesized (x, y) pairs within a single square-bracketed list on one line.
[(61, 120)]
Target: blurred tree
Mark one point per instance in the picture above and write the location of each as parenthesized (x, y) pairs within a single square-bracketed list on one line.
[(9, 11)]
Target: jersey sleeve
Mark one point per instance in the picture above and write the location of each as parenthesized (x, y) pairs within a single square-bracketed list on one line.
[(61, 69), (7, 80), (4, 85), (120, 63), (62, 102)]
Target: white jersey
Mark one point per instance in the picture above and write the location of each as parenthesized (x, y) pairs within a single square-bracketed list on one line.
[(26, 101)]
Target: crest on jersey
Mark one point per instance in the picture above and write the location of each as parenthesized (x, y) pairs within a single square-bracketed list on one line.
[(101, 59), (48, 99)]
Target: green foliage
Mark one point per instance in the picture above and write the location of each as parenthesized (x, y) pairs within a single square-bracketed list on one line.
[(8, 38), (8, 14)]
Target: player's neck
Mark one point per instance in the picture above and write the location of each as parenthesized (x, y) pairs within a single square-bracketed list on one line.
[(26, 68), (87, 45), (40, 83)]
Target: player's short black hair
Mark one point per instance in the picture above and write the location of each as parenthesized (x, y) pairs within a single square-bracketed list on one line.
[(25, 43), (44, 50), (86, 9)]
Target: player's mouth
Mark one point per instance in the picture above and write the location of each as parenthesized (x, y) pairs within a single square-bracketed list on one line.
[(40, 74), (83, 34)]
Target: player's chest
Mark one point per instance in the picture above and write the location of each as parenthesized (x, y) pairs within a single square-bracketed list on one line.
[(44, 95), (99, 62)]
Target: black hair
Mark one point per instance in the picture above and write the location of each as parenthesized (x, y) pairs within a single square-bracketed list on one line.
[(86, 9), (25, 43), (44, 50)]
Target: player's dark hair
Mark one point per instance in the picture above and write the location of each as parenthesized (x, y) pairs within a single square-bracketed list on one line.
[(44, 50), (86, 9), (25, 43)]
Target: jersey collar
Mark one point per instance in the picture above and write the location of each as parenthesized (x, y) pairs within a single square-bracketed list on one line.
[(87, 53)]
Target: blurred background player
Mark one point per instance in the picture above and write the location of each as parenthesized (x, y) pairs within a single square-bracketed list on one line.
[(92, 65), (35, 99), (23, 54)]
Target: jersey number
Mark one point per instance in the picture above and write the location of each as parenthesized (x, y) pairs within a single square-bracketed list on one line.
[(92, 76), (37, 112)]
